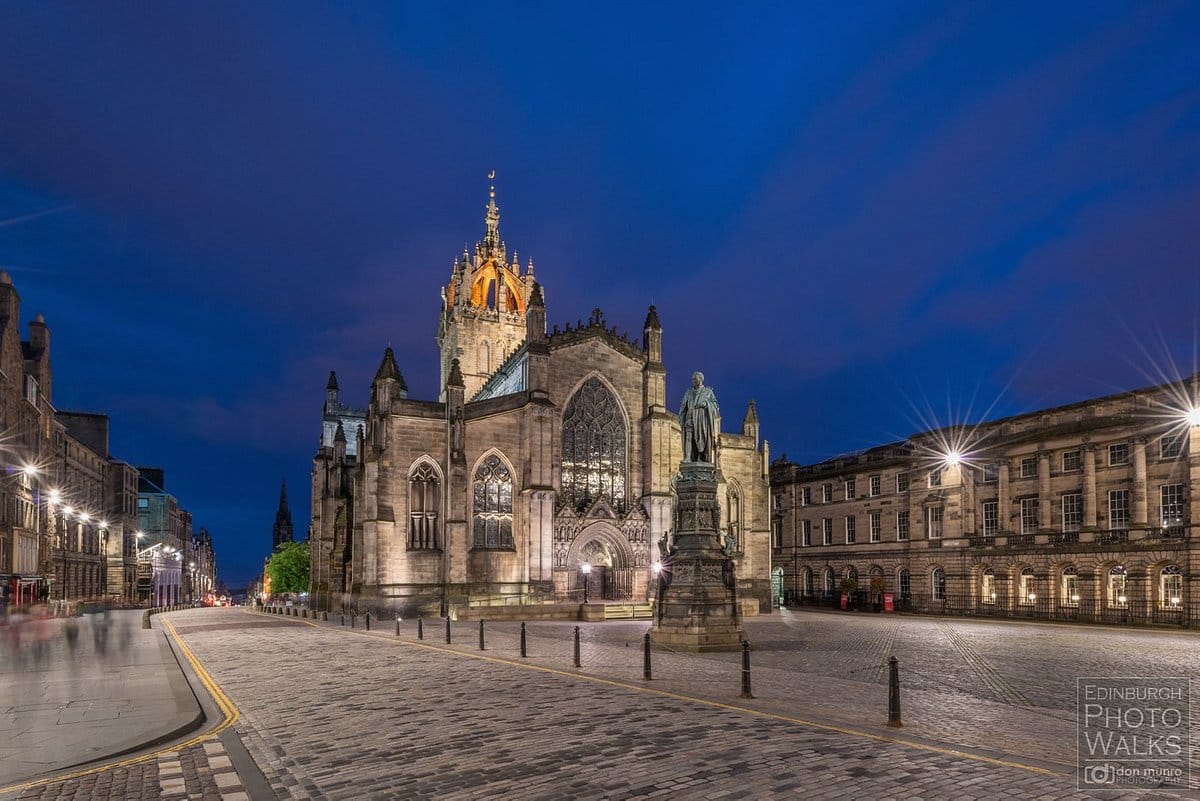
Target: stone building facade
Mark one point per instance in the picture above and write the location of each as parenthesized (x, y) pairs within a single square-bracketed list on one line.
[(1081, 512), (546, 450)]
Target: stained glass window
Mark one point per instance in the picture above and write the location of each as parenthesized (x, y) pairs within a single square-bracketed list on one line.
[(423, 504), (593, 445), (493, 491)]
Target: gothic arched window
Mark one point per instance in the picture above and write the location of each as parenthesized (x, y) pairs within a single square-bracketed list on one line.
[(493, 509), (424, 501), (593, 446), (733, 502)]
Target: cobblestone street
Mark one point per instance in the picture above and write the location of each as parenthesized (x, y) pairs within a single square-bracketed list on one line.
[(331, 712)]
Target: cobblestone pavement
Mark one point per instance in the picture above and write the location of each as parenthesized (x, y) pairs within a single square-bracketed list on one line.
[(330, 712)]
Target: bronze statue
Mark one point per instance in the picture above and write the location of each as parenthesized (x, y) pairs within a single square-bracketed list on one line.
[(698, 418)]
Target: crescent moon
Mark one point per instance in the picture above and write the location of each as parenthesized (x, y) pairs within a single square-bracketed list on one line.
[(491, 175)]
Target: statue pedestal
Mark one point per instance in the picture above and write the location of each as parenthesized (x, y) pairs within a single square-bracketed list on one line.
[(697, 608)]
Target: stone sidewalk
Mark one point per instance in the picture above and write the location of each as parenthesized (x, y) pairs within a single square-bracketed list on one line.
[(103, 697)]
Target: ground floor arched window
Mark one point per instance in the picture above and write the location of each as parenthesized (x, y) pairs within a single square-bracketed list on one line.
[(828, 579), (987, 586), (1170, 587), (904, 583), (1069, 587), (806, 582), (1025, 594), (1115, 592), (939, 584)]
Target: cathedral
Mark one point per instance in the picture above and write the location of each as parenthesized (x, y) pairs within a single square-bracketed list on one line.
[(545, 467)]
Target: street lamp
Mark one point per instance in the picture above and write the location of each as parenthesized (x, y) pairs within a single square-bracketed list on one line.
[(1193, 416), (587, 569)]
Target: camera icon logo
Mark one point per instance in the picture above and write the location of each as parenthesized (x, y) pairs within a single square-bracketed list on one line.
[(1099, 774)]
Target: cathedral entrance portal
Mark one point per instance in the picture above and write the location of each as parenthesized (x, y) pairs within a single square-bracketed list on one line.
[(602, 562)]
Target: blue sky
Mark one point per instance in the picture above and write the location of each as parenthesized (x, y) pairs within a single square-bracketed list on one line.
[(843, 211)]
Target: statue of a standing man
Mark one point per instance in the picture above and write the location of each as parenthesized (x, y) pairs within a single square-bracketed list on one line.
[(698, 418)]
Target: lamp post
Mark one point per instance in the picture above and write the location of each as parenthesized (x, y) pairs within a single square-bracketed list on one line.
[(587, 570)]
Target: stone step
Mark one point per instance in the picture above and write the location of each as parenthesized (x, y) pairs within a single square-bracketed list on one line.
[(628, 611)]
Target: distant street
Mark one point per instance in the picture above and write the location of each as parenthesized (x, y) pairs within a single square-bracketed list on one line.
[(330, 712)]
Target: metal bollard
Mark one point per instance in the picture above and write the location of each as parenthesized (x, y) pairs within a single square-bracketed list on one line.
[(646, 674), (447, 629), (343, 618), (397, 627), (745, 669), (325, 617), (577, 646), (894, 693), (481, 648), (420, 629), (523, 653), (353, 619), (368, 620)]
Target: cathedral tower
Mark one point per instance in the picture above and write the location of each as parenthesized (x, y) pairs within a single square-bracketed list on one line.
[(484, 307), (283, 520)]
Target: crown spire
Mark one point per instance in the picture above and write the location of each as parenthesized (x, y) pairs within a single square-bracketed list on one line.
[(491, 239)]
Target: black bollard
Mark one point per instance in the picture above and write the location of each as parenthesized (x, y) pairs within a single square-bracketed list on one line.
[(447, 629), (481, 648), (343, 618), (646, 674), (577, 646), (368, 620), (353, 619), (325, 617), (420, 629), (745, 669), (397, 627), (523, 653), (894, 693)]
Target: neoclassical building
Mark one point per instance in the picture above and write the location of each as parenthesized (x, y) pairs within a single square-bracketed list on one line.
[(1084, 511), (546, 450)]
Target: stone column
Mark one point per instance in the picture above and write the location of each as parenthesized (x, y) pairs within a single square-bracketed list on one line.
[(1139, 482), (1044, 506), (1089, 485), (1003, 510)]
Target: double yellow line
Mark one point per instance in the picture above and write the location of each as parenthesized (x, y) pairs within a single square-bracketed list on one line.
[(229, 713)]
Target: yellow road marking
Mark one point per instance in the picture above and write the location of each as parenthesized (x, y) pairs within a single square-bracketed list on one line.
[(228, 710), (707, 702)]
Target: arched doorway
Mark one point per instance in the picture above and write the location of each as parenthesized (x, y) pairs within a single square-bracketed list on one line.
[(601, 558)]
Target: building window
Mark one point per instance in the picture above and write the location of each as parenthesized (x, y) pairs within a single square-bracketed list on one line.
[(850, 529), (902, 525), (777, 534), (1025, 593), (902, 482), (806, 532), (826, 493), (1118, 454), (1071, 461), (991, 518), (1029, 467), (1171, 504), (991, 474), (424, 501), (939, 584), (987, 586), (933, 522), (143, 503), (1029, 515), (875, 486), (1069, 587), (1171, 445), (593, 447), (1118, 577), (827, 579), (1072, 511), (904, 583), (852, 576), (935, 477), (733, 502), (493, 508), (806, 496), (875, 526), (1170, 587), (849, 489), (806, 583), (827, 531), (1118, 509)]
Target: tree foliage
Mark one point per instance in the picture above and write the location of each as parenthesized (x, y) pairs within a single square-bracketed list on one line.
[(288, 568)]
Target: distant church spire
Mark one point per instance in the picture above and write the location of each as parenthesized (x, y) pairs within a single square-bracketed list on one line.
[(283, 520), (491, 239)]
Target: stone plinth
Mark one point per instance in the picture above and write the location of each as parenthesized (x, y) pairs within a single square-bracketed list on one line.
[(698, 603)]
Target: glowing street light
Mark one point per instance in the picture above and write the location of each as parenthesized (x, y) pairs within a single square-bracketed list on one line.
[(29, 470), (952, 458), (1192, 416), (55, 496), (656, 567), (586, 567)]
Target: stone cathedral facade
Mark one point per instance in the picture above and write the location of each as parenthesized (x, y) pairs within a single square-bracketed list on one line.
[(547, 449)]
